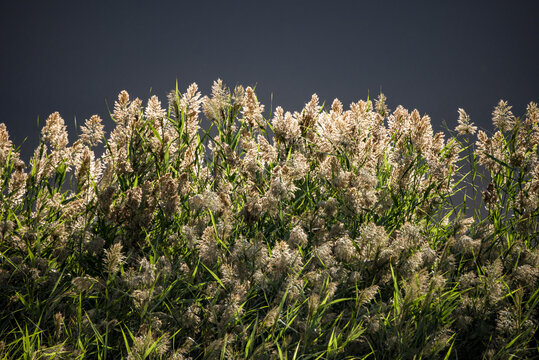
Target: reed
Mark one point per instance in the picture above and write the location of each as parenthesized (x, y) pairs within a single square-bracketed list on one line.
[(320, 234)]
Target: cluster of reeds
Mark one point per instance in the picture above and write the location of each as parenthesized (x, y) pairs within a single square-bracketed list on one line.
[(320, 234)]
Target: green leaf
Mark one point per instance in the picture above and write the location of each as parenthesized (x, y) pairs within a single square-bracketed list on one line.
[(214, 276)]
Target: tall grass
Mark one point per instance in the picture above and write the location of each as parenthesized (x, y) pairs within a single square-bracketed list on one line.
[(320, 234)]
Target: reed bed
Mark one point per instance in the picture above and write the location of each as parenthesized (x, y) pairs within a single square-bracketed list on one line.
[(320, 234)]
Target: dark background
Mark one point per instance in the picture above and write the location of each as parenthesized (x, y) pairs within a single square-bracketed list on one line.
[(436, 56)]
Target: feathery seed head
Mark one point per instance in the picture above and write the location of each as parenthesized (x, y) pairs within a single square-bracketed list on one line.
[(6, 145), (92, 131), (502, 117), (54, 133), (297, 238), (285, 126), (114, 258), (465, 127), (381, 106), (252, 110), (155, 112), (123, 98)]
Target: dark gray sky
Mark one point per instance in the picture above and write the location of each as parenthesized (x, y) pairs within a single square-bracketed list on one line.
[(436, 56)]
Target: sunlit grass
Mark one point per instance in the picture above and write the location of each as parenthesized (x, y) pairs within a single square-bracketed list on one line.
[(320, 234)]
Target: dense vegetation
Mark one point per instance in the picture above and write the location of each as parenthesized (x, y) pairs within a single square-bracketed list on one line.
[(320, 234)]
